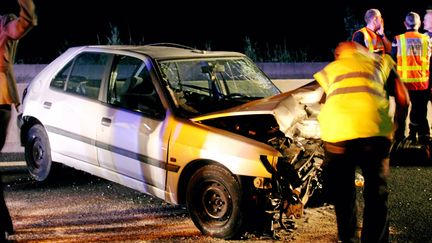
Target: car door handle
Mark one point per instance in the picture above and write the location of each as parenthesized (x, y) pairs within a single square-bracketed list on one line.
[(47, 105), (106, 121)]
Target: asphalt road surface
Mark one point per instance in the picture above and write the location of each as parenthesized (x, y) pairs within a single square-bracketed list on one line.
[(77, 207)]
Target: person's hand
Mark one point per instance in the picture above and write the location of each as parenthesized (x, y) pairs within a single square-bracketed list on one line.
[(380, 30)]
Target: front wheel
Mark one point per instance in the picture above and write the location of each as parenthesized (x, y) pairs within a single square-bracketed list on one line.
[(214, 201), (37, 153)]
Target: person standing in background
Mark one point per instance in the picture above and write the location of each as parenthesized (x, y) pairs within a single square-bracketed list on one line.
[(411, 51), (372, 36), (427, 23), (12, 28)]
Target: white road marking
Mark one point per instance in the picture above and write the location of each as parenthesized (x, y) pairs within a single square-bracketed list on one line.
[(12, 163)]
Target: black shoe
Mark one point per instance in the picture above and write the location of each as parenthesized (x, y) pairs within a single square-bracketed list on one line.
[(395, 147)]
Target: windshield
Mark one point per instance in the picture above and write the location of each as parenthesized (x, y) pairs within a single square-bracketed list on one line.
[(200, 86)]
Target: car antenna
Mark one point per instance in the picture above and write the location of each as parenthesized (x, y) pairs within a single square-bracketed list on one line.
[(167, 44)]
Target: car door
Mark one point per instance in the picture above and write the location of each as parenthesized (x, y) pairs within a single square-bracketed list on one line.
[(72, 107), (130, 134)]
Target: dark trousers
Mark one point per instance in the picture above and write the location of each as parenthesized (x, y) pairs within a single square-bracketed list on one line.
[(341, 161), (419, 125), (5, 218)]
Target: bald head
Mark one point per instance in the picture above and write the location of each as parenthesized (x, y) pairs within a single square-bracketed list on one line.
[(374, 20), (371, 14), (427, 21), (412, 21)]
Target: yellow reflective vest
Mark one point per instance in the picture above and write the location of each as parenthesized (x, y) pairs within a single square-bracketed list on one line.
[(413, 60), (357, 104), (372, 41)]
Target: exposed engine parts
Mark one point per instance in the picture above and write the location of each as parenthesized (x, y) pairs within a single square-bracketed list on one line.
[(295, 178), (293, 131)]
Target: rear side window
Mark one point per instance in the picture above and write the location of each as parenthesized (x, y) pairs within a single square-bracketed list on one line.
[(83, 75)]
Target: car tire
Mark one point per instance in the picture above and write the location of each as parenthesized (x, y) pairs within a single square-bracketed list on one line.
[(37, 153), (214, 201)]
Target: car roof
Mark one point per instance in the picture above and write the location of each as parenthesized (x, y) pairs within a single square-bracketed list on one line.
[(166, 51)]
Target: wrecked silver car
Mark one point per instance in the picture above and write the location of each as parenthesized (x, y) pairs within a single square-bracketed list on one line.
[(201, 128)]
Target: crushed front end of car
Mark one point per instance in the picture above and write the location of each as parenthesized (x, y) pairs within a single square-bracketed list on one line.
[(291, 127)]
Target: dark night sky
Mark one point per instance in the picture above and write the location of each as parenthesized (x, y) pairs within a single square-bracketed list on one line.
[(316, 26)]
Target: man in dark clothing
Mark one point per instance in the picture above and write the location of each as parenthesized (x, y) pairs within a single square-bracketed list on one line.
[(12, 28)]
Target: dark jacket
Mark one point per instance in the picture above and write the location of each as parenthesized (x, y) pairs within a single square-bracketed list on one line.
[(12, 28)]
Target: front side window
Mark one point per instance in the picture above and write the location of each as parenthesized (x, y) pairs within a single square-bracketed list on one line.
[(131, 87)]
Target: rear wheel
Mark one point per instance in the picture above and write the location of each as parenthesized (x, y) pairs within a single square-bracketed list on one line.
[(214, 201), (37, 153)]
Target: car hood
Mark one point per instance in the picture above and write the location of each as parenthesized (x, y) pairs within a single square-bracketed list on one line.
[(295, 113)]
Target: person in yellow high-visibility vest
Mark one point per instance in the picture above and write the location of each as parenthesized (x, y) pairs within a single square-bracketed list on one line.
[(411, 50), (356, 129), (372, 36)]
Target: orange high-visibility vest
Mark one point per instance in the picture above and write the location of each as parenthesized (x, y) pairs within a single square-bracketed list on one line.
[(372, 41), (413, 60), (357, 104)]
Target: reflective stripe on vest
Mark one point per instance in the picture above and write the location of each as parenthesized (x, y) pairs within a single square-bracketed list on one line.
[(355, 89), (413, 60)]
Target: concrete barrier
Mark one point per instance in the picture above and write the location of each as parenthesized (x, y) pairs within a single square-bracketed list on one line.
[(25, 72), (300, 70), (12, 144), (274, 70)]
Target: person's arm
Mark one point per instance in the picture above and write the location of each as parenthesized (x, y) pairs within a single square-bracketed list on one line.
[(400, 91), (27, 19), (430, 77), (387, 44), (397, 89)]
